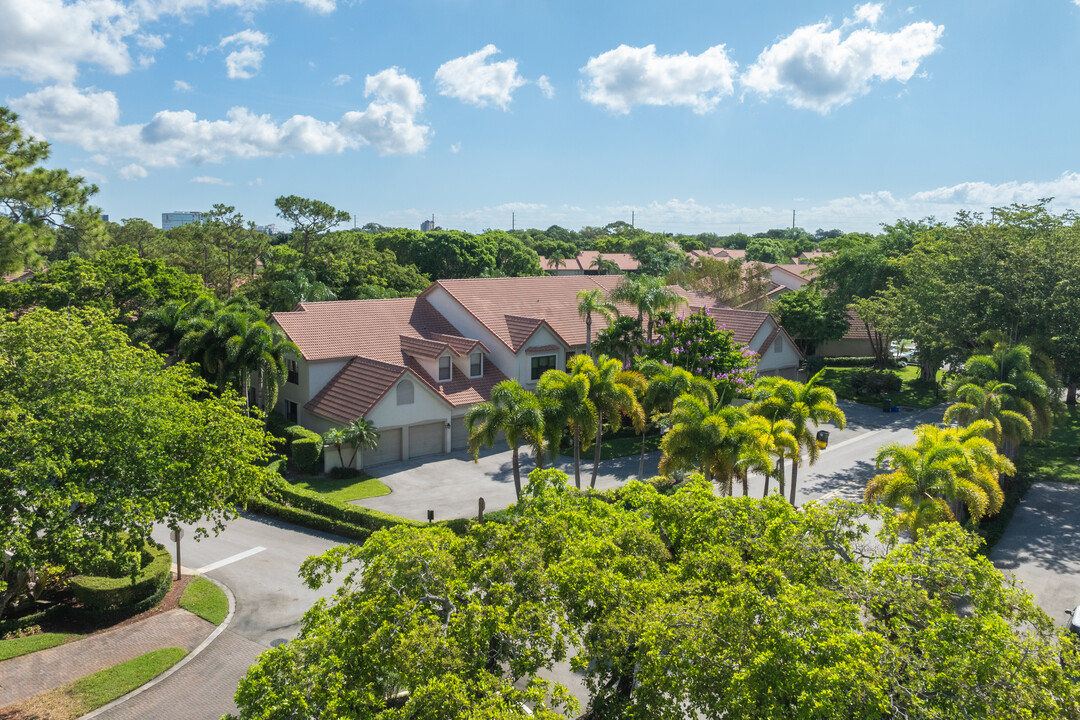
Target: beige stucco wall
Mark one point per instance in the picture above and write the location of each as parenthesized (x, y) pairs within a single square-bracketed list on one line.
[(470, 327), (312, 377), (543, 336)]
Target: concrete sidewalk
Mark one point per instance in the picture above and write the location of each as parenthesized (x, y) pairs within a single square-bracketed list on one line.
[(29, 675)]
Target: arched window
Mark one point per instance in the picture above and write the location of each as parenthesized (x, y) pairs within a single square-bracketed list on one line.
[(405, 392)]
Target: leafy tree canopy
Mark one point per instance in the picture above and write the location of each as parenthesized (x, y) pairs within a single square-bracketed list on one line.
[(694, 343)]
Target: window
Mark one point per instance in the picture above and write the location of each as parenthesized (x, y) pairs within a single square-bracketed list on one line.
[(541, 365), (292, 413), (445, 369), (778, 344), (294, 372), (405, 392), (476, 364)]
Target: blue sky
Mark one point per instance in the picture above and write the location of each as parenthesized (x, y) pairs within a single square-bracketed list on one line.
[(694, 116)]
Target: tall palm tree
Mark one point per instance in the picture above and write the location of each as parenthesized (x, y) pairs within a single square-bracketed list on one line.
[(362, 435), (943, 468), (802, 403), (1012, 364), (261, 349), (565, 397), (989, 401), (615, 392), (589, 302), (650, 295), (302, 287), (513, 410), (782, 445), (665, 386), (335, 436)]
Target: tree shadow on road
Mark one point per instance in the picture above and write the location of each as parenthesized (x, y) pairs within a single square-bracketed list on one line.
[(1044, 531), (848, 483)]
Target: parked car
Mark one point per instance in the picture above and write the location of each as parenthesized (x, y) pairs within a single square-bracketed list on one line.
[(1074, 620)]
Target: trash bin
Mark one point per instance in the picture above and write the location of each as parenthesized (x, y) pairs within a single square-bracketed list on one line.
[(823, 439), (886, 404)]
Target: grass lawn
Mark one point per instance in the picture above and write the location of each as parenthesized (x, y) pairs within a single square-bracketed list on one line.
[(839, 380), (343, 490), (85, 694), (206, 600), (617, 447), (14, 647), (1058, 456)]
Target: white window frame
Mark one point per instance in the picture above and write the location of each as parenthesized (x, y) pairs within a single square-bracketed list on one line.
[(401, 387), (449, 369), (480, 355)]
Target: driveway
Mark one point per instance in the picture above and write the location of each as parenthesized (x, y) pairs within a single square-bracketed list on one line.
[(1040, 547)]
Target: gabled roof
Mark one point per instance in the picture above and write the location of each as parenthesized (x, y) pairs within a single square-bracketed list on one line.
[(585, 259), (461, 390), (513, 309), (460, 345), (803, 272), (368, 328), (419, 347), (356, 389)]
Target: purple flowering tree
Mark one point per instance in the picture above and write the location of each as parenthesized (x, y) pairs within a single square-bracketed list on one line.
[(694, 343)]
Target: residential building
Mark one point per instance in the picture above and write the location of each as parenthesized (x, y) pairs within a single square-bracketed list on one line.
[(586, 263), (414, 366), (270, 229), (179, 217)]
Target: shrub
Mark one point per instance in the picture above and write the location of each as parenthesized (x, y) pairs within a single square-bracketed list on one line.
[(308, 519), (812, 364), (103, 596), (345, 473), (281, 492), (850, 361), (306, 453), (874, 382)]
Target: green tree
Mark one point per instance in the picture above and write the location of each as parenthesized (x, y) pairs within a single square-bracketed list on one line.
[(649, 295), (336, 437), (803, 404), (622, 338), (769, 250), (665, 386), (989, 402), (614, 392), (567, 394), (37, 202), (310, 219), (256, 348), (286, 294), (514, 411), (138, 234), (695, 344), (1027, 389), (809, 319), (362, 435), (103, 440), (943, 468), (593, 302)]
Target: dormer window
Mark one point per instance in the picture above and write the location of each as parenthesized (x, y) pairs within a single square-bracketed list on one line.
[(476, 364), (445, 368)]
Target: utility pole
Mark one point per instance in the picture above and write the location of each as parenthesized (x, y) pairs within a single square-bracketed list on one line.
[(632, 215), (513, 220)]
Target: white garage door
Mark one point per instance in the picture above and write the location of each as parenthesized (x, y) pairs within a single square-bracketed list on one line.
[(389, 449), (459, 436), (426, 439)]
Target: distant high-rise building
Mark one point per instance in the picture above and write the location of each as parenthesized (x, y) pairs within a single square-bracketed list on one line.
[(427, 226), (178, 218), (270, 229)]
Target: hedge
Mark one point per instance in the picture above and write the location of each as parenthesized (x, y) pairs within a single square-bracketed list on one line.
[(284, 493), (848, 361), (305, 447), (308, 519), (103, 595)]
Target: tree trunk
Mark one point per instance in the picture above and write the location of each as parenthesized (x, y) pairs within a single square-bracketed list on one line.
[(745, 483), (766, 493), (588, 334), (1070, 395), (340, 456), (577, 457), (794, 478), (780, 479), (517, 473), (596, 453)]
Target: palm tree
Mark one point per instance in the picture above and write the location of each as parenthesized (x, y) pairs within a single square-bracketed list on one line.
[(650, 295), (558, 259), (989, 402), (336, 437), (944, 467), (665, 386), (513, 410), (782, 445), (589, 302), (565, 399), (303, 287), (262, 349), (802, 403), (1029, 395), (614, 391), (361, 434)]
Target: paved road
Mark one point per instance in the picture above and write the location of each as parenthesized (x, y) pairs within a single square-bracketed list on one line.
[(270, 600), (1040, 547)]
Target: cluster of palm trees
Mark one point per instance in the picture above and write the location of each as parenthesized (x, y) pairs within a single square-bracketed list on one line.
[(229, 341), (999, 401), (723, 442), (649, 295), (361, 434)]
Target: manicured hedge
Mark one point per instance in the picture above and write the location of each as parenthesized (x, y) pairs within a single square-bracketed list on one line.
[(875, 382), (849, 361), (104, 595), (304, 447), (307, 519), (284, 493)]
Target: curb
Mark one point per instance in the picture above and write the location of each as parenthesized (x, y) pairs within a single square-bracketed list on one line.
[(183, 661)]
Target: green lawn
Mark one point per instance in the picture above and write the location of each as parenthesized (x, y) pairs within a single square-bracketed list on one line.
[(1058, 456), (206, 600), (85, 694), (343, 490), (14, 647), (911, 395), (617, 447)]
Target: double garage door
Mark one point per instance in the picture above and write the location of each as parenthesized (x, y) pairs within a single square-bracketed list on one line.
[(424, 439)]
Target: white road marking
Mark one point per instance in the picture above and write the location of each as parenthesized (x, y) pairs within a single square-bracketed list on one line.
[(230, 560), (857, 438)]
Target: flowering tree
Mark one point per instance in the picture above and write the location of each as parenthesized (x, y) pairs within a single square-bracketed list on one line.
[(695, 343)]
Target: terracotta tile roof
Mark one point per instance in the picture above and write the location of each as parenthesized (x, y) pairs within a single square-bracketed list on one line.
[(805, 272), (355, 389), (732, 253), (462, 390), (744, 324), (760, 350), (423, 348), (541, 348), (368, 328), (856, 327), (510, 307), (624, 261), (460, 345)]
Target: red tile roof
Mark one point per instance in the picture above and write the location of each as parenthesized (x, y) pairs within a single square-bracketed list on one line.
[(585, 259), (420, 347), (355, 389), (461, 390)]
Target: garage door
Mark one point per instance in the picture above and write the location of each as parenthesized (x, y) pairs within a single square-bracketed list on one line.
[(389, 449), (426, 439), (459, 436)]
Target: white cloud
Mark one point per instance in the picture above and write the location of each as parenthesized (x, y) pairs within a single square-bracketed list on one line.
[(181, 86), (547, 88), (474, 80), (341, 79), (150, 42), (255, 183), (246, 60), (209, 180), (90, 119), (455, 148), (91, 176), (627, 76), (868, 13), (133, 172), (816, 67)]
